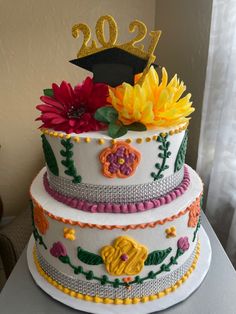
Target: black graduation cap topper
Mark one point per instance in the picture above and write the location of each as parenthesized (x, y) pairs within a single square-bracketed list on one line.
[(113, 63)]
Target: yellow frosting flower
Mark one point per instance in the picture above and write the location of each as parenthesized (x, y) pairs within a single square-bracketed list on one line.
[(124, 257), (154, 104), (69, 234)]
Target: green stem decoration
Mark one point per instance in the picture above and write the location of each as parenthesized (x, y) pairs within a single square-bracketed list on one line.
[(89, 275), (164, 155), (196, 230), (68, 162), (38, 238)]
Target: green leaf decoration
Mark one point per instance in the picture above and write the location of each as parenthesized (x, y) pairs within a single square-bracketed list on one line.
[(115, 130), (104, 280), (157, 257), (64, 259), (89, 275), (49, 156), (165, 267), (180, 158), (152, 275), (68, 162), (136, 126), (164, 155), (48, 92), (106, 114), (89, 258), (116, 283)]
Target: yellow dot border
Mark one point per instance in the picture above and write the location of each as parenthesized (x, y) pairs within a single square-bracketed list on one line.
[(102, 141), (136, 300)]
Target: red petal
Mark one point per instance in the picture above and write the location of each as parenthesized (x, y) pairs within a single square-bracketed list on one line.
[(45, 108), (72, 122), (52, 102), (50, 115), (58, 120), (64, 94)]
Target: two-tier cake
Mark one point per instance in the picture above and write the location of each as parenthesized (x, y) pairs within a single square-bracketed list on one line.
[(116, 211)]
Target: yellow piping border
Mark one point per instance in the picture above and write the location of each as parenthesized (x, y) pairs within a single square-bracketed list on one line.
[(97, 299), (101, 141)]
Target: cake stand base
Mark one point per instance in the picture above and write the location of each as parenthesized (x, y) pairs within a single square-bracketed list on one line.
[(182, 293)]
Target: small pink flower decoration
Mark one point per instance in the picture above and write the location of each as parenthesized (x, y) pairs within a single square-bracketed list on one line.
[(183, 244), (58, 249), (121, 160)]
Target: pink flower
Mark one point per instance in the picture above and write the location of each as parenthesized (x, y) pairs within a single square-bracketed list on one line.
[(58, 249), (183, 244), (71, 110)]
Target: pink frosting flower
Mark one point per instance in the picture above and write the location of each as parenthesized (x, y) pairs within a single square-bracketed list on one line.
[(71, 110), (58, 249), (183, 244)]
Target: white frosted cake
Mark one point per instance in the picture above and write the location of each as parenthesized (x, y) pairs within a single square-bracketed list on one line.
[(116, 210)]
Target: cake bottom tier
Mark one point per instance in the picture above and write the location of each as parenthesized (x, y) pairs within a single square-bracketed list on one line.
[(116, 258), (149, 291)]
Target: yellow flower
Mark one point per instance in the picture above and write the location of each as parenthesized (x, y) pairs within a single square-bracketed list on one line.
[(154, 104), (171, 232), (124, 257), (69, 234)]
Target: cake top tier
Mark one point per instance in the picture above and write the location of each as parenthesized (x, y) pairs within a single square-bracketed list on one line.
[(126, 92)]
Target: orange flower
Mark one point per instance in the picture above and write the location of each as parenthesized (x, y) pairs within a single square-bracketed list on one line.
[(127, 279), (194, 214), (39, 219), (119, 161)]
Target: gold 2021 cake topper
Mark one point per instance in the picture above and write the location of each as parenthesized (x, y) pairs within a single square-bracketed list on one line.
[(131, 46)]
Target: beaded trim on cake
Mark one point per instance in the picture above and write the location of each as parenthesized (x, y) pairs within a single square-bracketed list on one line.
[(119, 207), (150, 287), (115, 193)]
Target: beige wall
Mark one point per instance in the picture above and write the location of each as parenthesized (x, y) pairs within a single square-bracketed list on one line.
[(35, 44), (183, 49)]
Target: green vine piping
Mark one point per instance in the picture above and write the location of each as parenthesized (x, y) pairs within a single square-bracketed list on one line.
[(180, 158), (38, 238), (89, 275), (49, 156), (164, 155), (197, 228), (68, 162)]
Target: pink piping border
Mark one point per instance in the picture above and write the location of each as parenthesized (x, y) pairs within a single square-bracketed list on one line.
[(119, 208)]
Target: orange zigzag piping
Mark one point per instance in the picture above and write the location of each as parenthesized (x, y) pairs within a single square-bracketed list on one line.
[(127, 227)]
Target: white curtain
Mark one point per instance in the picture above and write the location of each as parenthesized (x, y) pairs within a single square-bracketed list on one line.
[(217, 148)]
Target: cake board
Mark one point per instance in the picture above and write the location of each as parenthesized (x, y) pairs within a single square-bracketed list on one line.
[(182, 293)]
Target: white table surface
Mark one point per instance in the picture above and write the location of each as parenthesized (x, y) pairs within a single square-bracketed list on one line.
[(216, 295)]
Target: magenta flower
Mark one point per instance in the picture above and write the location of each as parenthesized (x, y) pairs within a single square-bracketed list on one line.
[(183, 244), (58, 249), (72, 109)]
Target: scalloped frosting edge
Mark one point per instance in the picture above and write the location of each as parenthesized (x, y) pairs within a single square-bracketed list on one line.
[(126, 227), (117, 301)]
